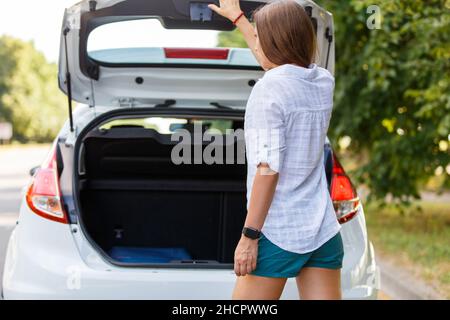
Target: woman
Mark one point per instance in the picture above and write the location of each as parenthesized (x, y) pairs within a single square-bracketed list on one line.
[(291, 228)]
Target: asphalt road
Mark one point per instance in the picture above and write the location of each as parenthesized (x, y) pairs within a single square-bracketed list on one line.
[(15, 164)]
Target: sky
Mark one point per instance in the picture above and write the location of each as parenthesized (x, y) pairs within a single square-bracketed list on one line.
[(37, 20), (40, 21)]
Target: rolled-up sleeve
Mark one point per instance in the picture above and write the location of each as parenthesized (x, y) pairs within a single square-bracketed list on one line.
[(266, 136)]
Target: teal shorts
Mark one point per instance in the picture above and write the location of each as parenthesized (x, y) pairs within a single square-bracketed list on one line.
[(272, 261)]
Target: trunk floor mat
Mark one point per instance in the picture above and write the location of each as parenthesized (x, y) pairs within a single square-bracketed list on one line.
[(148, 255)]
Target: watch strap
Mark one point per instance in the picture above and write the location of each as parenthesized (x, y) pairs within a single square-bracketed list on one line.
[(251, 233)]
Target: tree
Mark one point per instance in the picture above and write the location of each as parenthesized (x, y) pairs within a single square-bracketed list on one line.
[(29, 95), (393, 92), (232, 39), (392, 97)]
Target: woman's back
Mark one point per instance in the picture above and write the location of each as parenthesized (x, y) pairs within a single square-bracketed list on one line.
[(287, 119)]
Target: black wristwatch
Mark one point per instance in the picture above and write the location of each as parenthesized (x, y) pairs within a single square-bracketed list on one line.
[(251, 233)]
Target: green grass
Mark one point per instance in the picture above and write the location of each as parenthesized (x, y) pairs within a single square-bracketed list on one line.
[(418, 240)]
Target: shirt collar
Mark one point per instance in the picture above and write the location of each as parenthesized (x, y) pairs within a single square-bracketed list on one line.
[(294, 70)]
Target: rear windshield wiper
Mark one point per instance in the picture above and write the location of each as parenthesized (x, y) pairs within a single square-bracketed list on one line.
[(171, 103), (166, 104), (220, 106)]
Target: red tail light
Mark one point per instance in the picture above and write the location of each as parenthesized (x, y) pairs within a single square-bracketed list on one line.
[(43, 195), (196, 53), (345, 199)]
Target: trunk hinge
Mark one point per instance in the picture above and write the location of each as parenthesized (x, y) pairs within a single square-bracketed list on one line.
[(329, 37), (68, 79)]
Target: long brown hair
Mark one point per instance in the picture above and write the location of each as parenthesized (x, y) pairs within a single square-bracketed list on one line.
[(286, 33)]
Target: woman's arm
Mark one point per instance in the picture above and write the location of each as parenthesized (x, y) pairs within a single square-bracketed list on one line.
[(265, 180), (263, 189), (231, 9)]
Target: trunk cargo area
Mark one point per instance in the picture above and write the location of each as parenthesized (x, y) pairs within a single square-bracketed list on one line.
[(141, 208)]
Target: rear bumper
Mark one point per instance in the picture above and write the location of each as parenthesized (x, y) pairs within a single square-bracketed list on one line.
[(45, 261)]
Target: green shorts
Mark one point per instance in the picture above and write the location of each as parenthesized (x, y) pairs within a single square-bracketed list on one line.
[(272, 261)]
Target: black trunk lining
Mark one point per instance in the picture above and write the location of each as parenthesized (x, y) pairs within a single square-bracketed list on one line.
[(146, 154), (132, 195), (164, 185), (207, 223)]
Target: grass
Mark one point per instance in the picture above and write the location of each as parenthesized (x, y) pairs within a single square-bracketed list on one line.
[(417, 240)]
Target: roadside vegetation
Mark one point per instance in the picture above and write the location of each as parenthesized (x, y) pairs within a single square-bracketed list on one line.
[(416, 239), (392, 98), (29, 95)]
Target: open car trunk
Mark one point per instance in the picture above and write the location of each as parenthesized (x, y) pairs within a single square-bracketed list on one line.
[(134, 205), (142, 209)]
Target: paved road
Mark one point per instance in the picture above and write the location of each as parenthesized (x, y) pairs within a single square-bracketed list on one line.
[(15, 164)]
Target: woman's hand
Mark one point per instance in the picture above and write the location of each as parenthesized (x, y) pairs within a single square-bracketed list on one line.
[(229, 9), (245, 256)]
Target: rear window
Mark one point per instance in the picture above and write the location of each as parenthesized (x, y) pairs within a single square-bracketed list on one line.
[(146, 41)]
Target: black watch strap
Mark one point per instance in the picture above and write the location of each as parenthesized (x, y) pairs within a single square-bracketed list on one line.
[(251, 233)]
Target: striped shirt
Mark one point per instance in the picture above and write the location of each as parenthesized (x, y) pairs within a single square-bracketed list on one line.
[(286, 123)]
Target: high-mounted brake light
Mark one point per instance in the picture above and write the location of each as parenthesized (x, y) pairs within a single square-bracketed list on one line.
[(196, 53), (345, 199), (44, 195)]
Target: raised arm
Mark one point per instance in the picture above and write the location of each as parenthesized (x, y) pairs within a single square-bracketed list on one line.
[(231, 9)]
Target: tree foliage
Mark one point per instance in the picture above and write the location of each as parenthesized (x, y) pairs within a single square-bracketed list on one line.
[(232, 39), (392, 95), (29, 94), (393, 92)]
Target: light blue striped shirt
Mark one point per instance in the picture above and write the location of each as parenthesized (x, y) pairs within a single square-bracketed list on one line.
[(286, 123)]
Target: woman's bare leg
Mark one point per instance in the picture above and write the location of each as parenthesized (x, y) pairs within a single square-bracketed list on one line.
[(319, 284), (251, 287)]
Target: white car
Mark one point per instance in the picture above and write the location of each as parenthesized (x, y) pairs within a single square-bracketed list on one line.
[(108, 215)]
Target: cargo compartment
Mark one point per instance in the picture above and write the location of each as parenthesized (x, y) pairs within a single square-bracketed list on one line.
[(142, 209)]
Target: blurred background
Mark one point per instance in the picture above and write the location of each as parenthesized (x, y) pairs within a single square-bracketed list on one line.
[(390, 124)]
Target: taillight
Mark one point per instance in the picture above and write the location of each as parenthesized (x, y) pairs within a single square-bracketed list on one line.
[(196, 53), (43, 195), (345, 199)]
